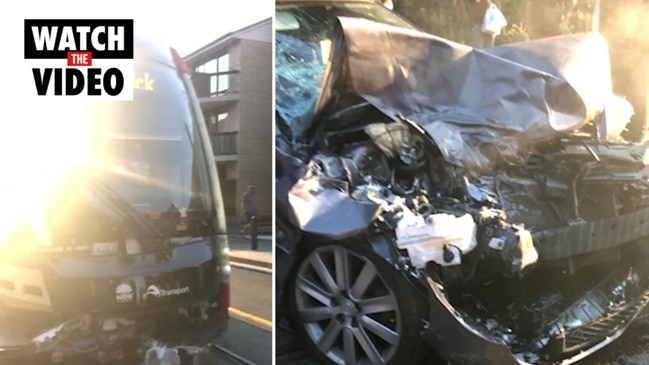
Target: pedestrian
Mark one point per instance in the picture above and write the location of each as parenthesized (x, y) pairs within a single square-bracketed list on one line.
[(484, 31), (249, 206)]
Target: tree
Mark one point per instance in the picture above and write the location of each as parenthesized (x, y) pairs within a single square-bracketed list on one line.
[(449, 18)]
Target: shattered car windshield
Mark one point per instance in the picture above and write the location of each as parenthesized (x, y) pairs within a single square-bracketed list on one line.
[(303, 44)]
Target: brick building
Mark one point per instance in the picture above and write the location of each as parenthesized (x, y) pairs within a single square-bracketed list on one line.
[(233, 77)]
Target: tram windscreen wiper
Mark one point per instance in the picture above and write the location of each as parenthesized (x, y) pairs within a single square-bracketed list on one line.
[(124, 209)]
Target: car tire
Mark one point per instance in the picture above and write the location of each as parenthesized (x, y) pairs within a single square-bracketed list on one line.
[(351, 306)]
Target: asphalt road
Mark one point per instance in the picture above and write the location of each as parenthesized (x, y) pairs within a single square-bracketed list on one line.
[(252, 292)]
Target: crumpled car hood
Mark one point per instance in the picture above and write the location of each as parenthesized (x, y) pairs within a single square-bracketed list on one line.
[(479, 106), (497, 182)]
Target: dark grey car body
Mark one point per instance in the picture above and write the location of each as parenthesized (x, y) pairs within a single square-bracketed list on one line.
[(523, 138)]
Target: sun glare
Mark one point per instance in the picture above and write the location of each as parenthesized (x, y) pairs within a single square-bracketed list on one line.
[(40, 152)]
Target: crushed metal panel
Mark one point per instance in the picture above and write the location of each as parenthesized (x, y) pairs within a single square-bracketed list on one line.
[(328, 211), (470, 100)]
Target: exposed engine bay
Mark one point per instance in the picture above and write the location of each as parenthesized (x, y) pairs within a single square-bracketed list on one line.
[(535, 237), (521, 252)]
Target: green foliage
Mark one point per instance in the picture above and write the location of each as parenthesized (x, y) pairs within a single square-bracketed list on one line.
[(513, 34), (450, 18), (445, 18)]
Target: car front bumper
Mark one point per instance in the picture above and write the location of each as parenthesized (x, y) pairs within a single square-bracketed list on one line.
[(451, 335)]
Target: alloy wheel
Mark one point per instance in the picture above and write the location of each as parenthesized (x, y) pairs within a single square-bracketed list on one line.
[(346, 308)]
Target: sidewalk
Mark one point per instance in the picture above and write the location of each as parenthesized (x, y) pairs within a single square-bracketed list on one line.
[(240, 251)]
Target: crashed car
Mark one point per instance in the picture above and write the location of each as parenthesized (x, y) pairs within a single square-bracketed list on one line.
[(126, 253), (436, 200)]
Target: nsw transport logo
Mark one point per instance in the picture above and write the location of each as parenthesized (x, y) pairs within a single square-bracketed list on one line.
[(124, 293), (80, 57)]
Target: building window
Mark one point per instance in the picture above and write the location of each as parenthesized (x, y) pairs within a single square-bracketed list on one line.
[(211, 67), (214, 84), (224, 63), (219, 71), (214, 122), (224, 79)]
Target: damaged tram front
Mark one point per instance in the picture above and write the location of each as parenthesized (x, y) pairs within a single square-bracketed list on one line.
[(123, 244), (479, 203)]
